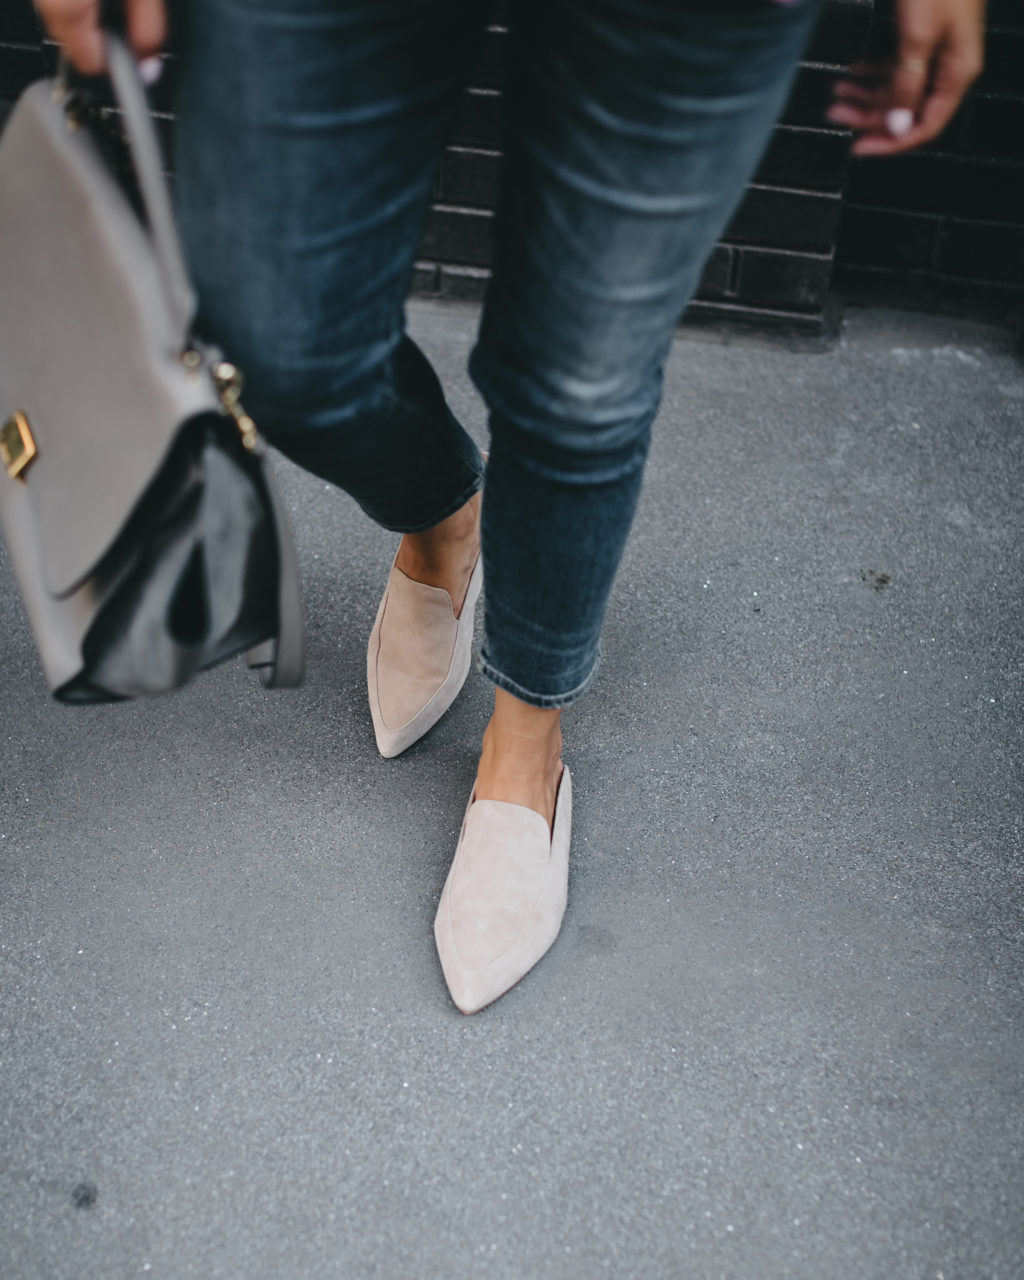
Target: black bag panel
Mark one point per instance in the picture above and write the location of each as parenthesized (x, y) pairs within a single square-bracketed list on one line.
[(191, 579)]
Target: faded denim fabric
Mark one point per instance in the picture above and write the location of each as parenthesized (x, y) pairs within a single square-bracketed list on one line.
[(309, 132)]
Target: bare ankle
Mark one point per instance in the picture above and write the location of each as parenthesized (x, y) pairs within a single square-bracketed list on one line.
[(521, 757), (444, 555)]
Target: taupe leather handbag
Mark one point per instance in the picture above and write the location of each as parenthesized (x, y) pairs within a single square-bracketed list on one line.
[(144, 527)]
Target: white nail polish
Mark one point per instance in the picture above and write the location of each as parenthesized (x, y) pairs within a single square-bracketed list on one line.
[(899, 121), (150, 69)]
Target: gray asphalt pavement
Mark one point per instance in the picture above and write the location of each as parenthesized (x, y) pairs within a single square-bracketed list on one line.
[(781, 1033)]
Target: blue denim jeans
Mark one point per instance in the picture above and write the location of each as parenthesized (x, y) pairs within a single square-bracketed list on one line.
[(309, 133)]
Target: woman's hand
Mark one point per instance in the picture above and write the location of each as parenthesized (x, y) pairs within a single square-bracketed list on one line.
[(75, 24), (899, 104)]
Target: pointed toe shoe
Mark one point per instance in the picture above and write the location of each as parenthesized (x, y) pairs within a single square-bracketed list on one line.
[(505, 895), (418, 657)]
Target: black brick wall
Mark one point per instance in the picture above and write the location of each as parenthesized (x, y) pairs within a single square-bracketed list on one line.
[(945, 225), (20, 54)]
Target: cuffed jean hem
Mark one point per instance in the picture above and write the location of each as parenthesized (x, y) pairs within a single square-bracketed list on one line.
[(553, 701), (443, 514)]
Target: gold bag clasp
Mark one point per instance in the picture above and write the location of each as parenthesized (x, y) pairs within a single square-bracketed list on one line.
[(17, 447)]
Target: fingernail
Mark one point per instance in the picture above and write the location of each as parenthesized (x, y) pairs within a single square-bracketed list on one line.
[(899, 121), (151, 69)]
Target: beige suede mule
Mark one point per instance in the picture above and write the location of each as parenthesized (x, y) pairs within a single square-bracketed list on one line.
[(418, 657), (504, 899)]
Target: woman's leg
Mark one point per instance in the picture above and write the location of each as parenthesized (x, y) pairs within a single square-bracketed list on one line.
[(635, 127), (309, 132), (308, 135)]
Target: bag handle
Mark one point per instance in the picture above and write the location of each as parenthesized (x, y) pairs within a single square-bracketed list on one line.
[(145, 152), (144, 149)]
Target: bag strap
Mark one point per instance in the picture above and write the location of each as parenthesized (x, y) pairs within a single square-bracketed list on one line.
[(281, 662), (145, 153)]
